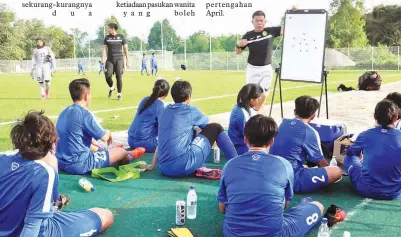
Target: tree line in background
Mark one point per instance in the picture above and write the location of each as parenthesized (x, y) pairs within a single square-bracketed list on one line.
[(349, 26)]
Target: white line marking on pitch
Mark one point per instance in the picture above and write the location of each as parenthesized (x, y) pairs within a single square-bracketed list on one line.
[(202, 99), (352, 213)]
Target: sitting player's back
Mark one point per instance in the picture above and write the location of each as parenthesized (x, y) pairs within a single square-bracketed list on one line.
[(76, 127), (176, 132), (255, 189), (297, 142), (381, 167), (26, 191)]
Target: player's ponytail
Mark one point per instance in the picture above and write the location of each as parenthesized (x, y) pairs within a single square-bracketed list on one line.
[(247, 93), (386, 112), (160, 89)]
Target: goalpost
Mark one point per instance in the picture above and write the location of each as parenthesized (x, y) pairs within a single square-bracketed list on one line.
[(164, 60)]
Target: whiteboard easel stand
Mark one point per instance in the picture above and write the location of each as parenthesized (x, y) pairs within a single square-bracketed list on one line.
[(325, 73), (324, 84)]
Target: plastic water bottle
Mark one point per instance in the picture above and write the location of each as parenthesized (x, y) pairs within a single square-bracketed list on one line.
[(324, 230), (86, 185), (333, 161), (346, 234), (192, 199)]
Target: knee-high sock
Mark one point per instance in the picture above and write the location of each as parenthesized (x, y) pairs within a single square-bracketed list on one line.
[(47, 85), (225, 144), (42, 88)]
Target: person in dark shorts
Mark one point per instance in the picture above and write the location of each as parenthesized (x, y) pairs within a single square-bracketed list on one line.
[(113, 47)]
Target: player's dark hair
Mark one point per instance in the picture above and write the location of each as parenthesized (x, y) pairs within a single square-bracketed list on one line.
[(247, 93), (160, 89), (181, 91), (258, 13), (153, 54), (306, 106), (395, 97), (34, 136), (113, 26), (385, 113), (143, 54), (260, 130), (77, 88)]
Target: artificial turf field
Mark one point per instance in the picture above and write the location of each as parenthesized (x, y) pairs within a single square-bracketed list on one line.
[(146, 206)]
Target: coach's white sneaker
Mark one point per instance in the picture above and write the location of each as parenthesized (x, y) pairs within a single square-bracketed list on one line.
[(119, 97)]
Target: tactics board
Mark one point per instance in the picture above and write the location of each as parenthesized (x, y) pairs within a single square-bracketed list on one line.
[(304, 45)]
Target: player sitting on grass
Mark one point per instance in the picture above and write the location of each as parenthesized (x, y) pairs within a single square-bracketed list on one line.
[(78, 130), (256, 187), (29, 183), (378, 175), (143, 130), (298, 142), (180, 151), (395, 97), (247, 99)]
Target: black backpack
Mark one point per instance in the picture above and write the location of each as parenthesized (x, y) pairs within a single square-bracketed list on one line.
[(370, 81)]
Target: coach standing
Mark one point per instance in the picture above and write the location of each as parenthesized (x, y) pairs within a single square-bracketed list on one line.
[(113, 47), (260, 44)]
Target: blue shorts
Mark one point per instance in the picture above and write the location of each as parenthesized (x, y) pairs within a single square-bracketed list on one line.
[(72, 224), (187, 164), (149, 144), (94, 160), (241, 149), (154, 67), (299, 220), (309, 179), (144, 67)]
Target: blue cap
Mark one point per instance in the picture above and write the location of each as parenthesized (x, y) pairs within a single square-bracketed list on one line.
[(192, 187), (324, 221)]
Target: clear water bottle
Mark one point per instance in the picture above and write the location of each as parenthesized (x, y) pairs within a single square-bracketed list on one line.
[(346, 234), (333, 161), (86, 185), (192, 199), (324, 230)]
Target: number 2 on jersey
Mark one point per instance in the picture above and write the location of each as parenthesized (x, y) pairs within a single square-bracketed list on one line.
[(317, 178)]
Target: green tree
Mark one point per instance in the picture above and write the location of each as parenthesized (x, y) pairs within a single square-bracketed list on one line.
[(198, 42), (11, 46), (383, 25), (102, 29), (134, 44), (80, 42), (170, 40), (346, 25)]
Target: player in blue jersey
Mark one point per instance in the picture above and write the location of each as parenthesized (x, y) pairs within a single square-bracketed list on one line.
[(256, 188), (78, 130), (153, 65), (298, 142), (378, 176), (180, 151), (144, 67), (395, 97), (80, 68), (28, 184), (247, 99), (101, 65), (143, 130)]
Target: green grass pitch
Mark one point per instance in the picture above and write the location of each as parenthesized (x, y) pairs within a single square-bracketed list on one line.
[(146, 207)]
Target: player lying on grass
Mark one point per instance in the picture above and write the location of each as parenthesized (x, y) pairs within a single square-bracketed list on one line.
[(43, 62), (298, 142), (143, 130), (247, 99), (395, 97), (29, 184), (78, 130), (378, 175), (181, 152), (256, 188)]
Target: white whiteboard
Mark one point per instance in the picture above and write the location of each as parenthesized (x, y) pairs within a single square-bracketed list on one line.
[(304, 45)]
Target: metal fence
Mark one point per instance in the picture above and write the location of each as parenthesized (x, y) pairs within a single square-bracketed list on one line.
[(369, 58)]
